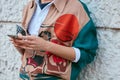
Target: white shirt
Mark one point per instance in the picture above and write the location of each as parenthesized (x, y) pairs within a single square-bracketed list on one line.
[(37, 20)]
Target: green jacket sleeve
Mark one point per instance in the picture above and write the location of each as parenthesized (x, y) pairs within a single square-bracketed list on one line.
[(87, 43)]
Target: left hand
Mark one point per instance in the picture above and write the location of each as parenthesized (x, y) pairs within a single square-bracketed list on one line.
[(31, 42)]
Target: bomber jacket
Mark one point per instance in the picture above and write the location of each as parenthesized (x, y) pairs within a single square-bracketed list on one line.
[(69, 24)]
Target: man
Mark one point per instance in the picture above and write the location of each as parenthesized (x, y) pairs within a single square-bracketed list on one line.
[(60, 41)]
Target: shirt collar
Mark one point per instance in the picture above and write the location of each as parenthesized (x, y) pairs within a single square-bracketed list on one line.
[(59, 4), (37, 1)]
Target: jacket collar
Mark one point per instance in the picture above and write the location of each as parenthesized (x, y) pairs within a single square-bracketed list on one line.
[(60, 4)]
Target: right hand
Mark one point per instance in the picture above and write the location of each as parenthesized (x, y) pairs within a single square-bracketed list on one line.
[(13, 40)]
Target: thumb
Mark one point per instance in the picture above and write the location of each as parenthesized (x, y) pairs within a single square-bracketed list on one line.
[(19, 35)]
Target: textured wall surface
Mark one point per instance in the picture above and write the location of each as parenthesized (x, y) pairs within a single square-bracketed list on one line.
[(106, 15), (10, 15)]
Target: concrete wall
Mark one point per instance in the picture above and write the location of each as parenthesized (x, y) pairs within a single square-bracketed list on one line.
[(106, 15)]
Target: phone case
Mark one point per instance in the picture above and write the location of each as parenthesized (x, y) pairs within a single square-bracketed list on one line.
[(21, 30), (13, 36)]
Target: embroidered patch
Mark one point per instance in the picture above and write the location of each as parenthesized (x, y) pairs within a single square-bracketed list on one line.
[(66, 27)]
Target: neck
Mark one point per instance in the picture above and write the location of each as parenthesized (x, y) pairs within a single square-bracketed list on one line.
[(45, 1)]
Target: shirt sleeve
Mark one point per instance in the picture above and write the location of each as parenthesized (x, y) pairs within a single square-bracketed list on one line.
[(77, 54)]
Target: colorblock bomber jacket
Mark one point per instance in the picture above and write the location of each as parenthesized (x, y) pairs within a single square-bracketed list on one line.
[(68, 23)]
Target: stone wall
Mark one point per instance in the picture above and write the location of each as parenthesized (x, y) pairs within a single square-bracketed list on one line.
[(106, 15), (10, 15)]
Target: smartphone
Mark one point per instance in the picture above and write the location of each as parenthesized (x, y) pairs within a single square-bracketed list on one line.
[(13, 36), (20, 30)]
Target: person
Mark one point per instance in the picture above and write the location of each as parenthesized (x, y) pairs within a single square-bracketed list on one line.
[(61, 40)]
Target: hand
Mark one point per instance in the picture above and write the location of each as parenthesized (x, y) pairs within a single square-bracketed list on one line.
[(13, 39), (31, 42)]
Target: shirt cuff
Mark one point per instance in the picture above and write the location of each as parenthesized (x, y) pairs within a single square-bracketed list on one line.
[(77, 54)]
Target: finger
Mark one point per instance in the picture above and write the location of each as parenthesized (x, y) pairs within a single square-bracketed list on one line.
[(20, 36), (11, 39), (25, 47), (25, 42), (33, 47), (12, 42), (19, 41), (16, 45), (30, 37)]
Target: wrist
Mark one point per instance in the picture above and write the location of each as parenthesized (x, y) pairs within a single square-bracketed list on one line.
[(47, 45)]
